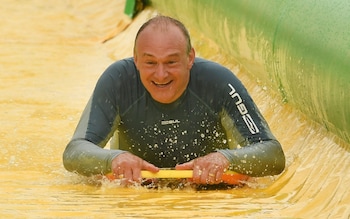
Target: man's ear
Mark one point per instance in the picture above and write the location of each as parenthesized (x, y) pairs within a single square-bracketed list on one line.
[(191, 57), (135, 59)]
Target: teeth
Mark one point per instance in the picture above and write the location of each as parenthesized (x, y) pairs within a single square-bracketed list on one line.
[(161, 84)]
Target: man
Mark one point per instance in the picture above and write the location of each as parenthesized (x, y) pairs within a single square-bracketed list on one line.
[(167, 108)]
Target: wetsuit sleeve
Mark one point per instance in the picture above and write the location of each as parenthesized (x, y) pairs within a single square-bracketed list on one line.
[(85, 153), (257, 159), (254, 150), (85, 157)]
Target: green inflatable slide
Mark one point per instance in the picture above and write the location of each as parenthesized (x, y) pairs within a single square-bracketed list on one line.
[(299, 48)]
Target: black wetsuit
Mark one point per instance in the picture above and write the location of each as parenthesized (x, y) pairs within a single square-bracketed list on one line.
[(215, 113)]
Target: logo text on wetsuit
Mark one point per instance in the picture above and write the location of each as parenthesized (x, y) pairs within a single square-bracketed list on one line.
[(243, 110), (169, 122)]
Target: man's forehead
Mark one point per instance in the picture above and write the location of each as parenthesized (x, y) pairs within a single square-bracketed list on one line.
[(157, 34), (155, 37)]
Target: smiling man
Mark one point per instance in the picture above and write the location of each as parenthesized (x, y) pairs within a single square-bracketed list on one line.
[(165, 62), (166, 108)]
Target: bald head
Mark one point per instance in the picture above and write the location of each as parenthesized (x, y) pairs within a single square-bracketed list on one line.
[(162, 23), (164, 57)]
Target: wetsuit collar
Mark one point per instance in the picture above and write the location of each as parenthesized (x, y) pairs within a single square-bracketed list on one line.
[(170, 106)]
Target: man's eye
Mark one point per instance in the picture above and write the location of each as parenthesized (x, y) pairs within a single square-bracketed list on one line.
[(171, 62), (150, 63)]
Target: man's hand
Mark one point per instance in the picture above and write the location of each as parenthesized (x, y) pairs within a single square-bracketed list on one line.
[(128, 167), (207, 169)]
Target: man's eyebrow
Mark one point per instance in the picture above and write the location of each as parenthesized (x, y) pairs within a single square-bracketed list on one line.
[(147, 54), (170, 55)]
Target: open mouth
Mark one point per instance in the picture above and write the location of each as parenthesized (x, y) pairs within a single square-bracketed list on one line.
[(161, 84)]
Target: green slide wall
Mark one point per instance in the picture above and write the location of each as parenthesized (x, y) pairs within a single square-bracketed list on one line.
[(300, 48)]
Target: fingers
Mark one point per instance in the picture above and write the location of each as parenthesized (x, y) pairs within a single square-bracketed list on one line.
[(209, 169), (127, 167), (201, 174), (206, 170), (131, 176), (119, 173), (185, 166), (149, 167), (209, 175)]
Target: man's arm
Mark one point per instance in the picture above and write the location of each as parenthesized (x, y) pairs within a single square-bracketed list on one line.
[(84, 156), (85, 153), (258, 159), (88, 159), (254, 150)]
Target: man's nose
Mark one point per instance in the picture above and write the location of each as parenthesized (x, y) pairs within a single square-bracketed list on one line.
[(161, 71)]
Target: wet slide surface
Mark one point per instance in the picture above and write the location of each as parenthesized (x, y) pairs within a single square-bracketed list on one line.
[(50, 58)]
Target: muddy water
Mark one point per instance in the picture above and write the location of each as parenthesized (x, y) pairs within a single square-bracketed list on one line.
[(51, 55)]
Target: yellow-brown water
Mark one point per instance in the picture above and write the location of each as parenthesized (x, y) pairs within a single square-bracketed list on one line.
[(51, 54)]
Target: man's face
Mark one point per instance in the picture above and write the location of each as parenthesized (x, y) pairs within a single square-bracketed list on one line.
[(163, 61)]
